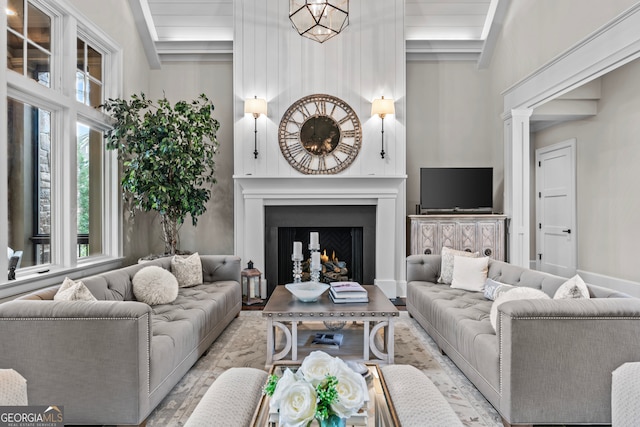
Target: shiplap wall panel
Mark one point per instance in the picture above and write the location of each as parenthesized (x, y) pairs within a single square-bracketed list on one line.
[(364, 62)]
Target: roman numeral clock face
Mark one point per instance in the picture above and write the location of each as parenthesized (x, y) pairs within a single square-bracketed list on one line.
[(320, 134)]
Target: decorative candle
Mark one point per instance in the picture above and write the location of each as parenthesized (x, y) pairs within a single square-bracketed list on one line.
[(297, 250), (315, 241), (315, 261)]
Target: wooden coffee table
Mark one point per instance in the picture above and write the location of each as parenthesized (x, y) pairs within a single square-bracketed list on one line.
[(284, 312)]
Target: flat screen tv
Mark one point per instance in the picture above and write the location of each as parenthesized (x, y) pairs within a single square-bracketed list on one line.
[(456, 190)]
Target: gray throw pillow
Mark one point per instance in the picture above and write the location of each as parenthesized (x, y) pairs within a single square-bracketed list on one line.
[(493, 289)]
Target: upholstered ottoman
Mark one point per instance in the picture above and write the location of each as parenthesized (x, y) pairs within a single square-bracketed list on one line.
[(417, 401), (231, 400), (625, 395)]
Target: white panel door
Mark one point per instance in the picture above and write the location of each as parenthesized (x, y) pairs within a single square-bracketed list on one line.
[(556, 249)]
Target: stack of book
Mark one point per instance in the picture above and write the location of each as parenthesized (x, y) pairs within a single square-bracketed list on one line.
[(347, 292)]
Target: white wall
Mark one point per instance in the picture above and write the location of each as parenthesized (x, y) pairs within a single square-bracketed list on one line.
[(448, 122), (608, 155), (363, 62)]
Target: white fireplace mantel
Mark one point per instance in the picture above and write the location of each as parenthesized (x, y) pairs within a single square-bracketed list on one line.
[(253, 193)]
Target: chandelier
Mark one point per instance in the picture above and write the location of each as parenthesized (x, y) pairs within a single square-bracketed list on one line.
[(319, 20)]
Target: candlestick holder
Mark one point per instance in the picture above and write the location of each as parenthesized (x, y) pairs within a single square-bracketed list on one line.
[(297, 269), (315, 272)]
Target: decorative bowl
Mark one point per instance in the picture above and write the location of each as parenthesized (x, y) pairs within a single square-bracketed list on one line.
[(307, 291)]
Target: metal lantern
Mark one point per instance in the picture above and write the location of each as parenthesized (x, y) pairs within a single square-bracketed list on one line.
[(251, 284)]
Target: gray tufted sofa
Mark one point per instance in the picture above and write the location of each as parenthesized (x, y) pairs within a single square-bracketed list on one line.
[(549, 362), (112, 361)]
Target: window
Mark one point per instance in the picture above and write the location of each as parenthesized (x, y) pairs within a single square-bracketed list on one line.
[(29, 184), (89, 189), (62, 185), (89, 75), (29, 41)]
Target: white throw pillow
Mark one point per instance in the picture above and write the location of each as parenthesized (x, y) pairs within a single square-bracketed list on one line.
[(154, 285), (519, 292), (572, 288), (446, 266), (469, 273), (73, 291), (188, 270)]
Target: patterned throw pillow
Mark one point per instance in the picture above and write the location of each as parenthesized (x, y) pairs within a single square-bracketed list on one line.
[(572, 288), (188, 270), (446, 267), (493, 289), (154, 285), (73, 291), (520, 292)]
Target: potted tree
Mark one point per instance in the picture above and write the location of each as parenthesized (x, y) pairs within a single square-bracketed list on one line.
[(167, 154)]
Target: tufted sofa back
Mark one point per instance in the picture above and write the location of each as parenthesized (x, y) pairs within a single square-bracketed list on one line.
[(426, 268), (116, 285)]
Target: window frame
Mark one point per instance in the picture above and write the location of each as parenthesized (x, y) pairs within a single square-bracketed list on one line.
[(60, 98)]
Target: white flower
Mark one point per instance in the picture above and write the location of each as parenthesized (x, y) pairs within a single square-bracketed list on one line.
[(317, 365), (297, 404), (287, 379), (351, 389)]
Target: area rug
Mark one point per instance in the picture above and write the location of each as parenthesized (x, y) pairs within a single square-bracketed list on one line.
[(243, 343)]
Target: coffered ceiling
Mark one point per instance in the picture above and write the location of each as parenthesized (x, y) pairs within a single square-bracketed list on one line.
[(174, 30)]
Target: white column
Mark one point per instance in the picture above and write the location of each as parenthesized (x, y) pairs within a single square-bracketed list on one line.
[(516, 184), (386, 248)]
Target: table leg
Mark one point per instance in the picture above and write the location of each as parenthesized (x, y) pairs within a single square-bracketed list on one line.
[(270, 341), (366, 345), (294, 340), (389, 339)]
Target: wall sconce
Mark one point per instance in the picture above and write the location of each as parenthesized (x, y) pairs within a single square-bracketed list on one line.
[(255, 106), (382, 107)]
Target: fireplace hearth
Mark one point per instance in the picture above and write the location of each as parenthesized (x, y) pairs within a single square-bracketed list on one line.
[(347, 231)]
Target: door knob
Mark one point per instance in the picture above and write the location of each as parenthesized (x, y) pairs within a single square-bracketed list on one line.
[(568, 231)]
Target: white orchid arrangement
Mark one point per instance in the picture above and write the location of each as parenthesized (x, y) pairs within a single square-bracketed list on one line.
[(322, 387)]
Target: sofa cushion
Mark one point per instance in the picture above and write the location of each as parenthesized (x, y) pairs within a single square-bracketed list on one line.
[(188, 270), (572, 288), (512, 295), (73, 291), (446, 268), (154, 285), (469, 273)]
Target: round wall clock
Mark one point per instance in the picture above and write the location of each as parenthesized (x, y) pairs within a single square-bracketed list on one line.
[(320, 134)]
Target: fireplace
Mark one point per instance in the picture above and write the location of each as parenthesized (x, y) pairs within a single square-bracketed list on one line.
[(259, 196), (349, 231)]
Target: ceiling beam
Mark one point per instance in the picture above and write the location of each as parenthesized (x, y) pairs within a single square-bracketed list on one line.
[(146, 30)]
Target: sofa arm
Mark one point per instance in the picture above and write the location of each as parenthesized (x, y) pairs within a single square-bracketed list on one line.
[(91, 357), (217, 268), (423, 268), (557, 356)]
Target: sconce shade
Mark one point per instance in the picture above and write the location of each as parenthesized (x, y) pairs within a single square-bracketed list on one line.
[(255, 106), (382, 107), (319, 20)]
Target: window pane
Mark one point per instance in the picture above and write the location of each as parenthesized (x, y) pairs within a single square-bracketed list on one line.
[(15, 51), (38, 63), (95, 94), (15, 15), (29, 182), (94, 63), (39, 27), (89, 152), (80, 86), (80, 55)]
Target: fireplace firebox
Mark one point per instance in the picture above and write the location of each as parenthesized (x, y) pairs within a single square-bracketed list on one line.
[(346, 231)]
